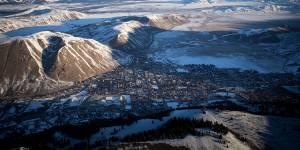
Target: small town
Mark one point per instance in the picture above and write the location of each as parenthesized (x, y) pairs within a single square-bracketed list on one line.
[(145, 87)]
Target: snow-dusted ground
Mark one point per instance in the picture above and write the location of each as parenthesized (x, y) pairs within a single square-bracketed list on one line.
[(261, 130), (208, 143), (180, 57)]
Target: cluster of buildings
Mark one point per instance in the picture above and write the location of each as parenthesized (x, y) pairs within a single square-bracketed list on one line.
[(141, 88)]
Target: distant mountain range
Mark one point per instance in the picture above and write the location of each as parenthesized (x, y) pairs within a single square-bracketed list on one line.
[(25, 1), (37, 15)]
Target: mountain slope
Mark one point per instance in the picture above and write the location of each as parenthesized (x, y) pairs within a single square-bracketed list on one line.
[(38, 15), (129, 33), (47, 60)]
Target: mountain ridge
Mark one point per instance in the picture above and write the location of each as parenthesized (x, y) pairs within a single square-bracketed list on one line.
[(76, 59)]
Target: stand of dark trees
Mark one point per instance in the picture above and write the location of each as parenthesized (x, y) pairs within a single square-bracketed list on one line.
[(177, 128), (174, 128), (82, 131)]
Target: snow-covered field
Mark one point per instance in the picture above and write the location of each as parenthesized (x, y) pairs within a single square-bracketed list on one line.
[(224, 61), (228, 41)]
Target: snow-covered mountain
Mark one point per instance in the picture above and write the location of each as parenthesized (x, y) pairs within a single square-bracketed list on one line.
[(129, 33), (46, 61), (38, 15), (26, 1), (15, 1)]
